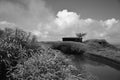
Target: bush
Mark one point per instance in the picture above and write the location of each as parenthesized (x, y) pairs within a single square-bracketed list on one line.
[(22, 58), (15, 46), (51, 65)]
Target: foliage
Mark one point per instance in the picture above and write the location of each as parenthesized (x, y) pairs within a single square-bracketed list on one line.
[(22, 58), (16, 46), (81, 35), (48, 66), (75, 48)]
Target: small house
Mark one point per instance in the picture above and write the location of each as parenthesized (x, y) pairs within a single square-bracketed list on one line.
[(75, 39)]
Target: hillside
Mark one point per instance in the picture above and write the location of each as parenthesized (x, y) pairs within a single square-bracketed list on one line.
[(94, 47), (22, 58)]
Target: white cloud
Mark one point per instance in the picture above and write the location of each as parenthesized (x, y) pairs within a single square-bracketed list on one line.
[(25, 13), (89, 20), (69, 23), (65, 18), (37, 33), (50, 27), (4, 24), (110, 22)]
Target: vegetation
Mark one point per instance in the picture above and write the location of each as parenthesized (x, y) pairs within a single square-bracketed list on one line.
[(68, 47), (81, 35), (22, 58), (91, 47)]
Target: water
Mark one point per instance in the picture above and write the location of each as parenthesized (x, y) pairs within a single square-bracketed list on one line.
[(103, 69)]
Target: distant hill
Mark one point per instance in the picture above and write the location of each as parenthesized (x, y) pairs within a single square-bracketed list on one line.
[(92, 47), (100, 43), (117, 45)]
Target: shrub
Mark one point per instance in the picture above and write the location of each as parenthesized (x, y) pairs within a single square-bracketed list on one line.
[(51, 65), (81, 35), (22, 58), (15, 46)]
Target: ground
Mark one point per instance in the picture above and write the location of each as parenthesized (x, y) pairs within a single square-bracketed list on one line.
[(89, 47)]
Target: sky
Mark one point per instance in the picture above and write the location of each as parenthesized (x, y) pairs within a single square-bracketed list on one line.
[(51, 20), (96, 9)]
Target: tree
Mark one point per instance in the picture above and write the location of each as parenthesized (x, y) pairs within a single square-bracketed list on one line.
[(81, 35)]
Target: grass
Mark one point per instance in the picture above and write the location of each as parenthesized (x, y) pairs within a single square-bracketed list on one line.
[(90, 47), (68, 47), (22, 58)]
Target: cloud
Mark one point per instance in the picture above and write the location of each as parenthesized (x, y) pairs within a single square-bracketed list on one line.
[(110, 22), (69, 23), (4, 24), (21, 2), (35, 16), (65, 18), (25, 13)]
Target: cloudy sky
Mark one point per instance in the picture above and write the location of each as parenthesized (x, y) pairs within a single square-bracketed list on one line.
[(54, 19)]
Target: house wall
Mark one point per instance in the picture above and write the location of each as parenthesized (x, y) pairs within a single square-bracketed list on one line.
[(72, 39)]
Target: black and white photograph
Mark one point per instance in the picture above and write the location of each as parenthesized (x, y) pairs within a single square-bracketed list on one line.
[(59, 39)]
